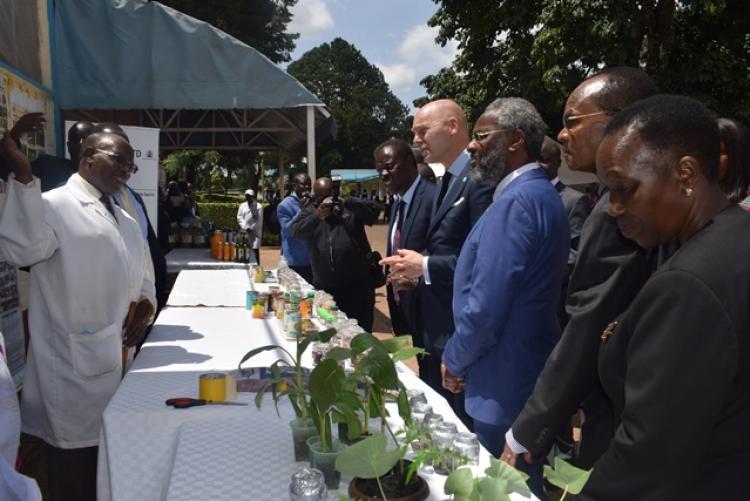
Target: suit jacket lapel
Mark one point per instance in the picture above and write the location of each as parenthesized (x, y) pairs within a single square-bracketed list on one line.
[(411, 211), (451, 196)]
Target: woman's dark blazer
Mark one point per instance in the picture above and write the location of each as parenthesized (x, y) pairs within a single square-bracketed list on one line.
[(676, 367)]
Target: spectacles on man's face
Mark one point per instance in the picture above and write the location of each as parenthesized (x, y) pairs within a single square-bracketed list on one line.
[(119, 160), (569, 121), (480, 136)]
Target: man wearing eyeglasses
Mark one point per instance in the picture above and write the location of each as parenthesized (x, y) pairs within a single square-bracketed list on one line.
[(89, 295), (442, 134), (609, 272), (508, 276)]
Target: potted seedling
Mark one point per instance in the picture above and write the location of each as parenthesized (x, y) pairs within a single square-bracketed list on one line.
[(329, 395), (374, 375), (380, 473), (303, 426), (498, 483)]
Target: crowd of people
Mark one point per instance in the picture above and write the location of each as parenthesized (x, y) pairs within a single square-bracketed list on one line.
[(534, 302)]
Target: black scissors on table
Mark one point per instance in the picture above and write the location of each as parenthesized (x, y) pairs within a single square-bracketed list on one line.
[(185, 402)]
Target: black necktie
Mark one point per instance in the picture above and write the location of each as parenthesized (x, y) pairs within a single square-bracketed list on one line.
[(108, 204), (444, 187)]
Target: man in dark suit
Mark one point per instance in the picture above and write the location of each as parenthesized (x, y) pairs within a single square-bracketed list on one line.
[(508, 276), (609, 272), (442, 134), (578, 207), (409, 222)]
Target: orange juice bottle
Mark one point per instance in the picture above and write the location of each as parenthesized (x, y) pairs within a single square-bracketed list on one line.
[(227, 254), (216, 240)]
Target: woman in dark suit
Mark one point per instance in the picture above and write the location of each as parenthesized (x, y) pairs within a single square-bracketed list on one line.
[(676, 364)]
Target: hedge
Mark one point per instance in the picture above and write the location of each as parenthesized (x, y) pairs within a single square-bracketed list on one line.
[(224, 215)]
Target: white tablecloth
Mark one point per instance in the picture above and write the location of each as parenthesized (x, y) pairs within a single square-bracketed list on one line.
[(149, 451), (213, 288), (199, 259)]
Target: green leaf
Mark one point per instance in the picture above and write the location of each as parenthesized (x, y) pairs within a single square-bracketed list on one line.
[(516, 479), (403, 407), (459, 483), (250, 354), (339, 354), (363, 342), (325, 383), (380, 368), (353, 424), (566, 476), (493, 489), (259, 395), (396, 343), (322, 336), (406, 354), (368, 458)]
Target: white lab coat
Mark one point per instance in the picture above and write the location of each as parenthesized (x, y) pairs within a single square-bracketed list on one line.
[(13, 485), (250, 223), (86, 269)]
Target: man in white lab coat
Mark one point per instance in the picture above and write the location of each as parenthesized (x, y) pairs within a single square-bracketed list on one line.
[(89, 295), (250, 219)]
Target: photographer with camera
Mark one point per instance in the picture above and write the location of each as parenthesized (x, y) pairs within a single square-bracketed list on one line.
[(295, 251), (340, 254)]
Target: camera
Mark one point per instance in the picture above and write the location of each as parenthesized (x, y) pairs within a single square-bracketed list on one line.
[(337, 207)]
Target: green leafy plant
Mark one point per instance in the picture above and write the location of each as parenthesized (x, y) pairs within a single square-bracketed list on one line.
[(567, 477), (499, 482), (369, 458), (374, 362), (329, 397), (293, 387)]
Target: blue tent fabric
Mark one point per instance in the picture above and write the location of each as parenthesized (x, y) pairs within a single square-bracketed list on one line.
[(355, 175), (134, 54)]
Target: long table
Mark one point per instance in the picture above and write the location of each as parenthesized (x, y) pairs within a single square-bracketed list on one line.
[(199, 258), (149, 451), (213, 288)]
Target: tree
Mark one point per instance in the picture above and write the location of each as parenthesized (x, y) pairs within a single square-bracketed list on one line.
[(261, 24), (365, 109), (542, 49)]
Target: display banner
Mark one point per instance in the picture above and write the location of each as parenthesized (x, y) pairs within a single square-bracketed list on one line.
[(19, 96)]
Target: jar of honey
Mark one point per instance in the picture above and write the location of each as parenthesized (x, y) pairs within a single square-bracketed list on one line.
[(216, 240)]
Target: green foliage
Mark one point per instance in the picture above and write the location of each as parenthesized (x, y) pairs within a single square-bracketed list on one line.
[(261, 24), (292, 387), (500, 481), (365, 109), (374, 363), (542, 49), (369, 458), (567, 477), (223, 215)]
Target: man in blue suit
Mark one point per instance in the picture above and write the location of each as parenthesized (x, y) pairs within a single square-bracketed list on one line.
[(295, 251), (441, 133), (508, 275), (409, 222)]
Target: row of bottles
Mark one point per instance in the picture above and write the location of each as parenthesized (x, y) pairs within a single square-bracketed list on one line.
[(189, 233), (231, 246)]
